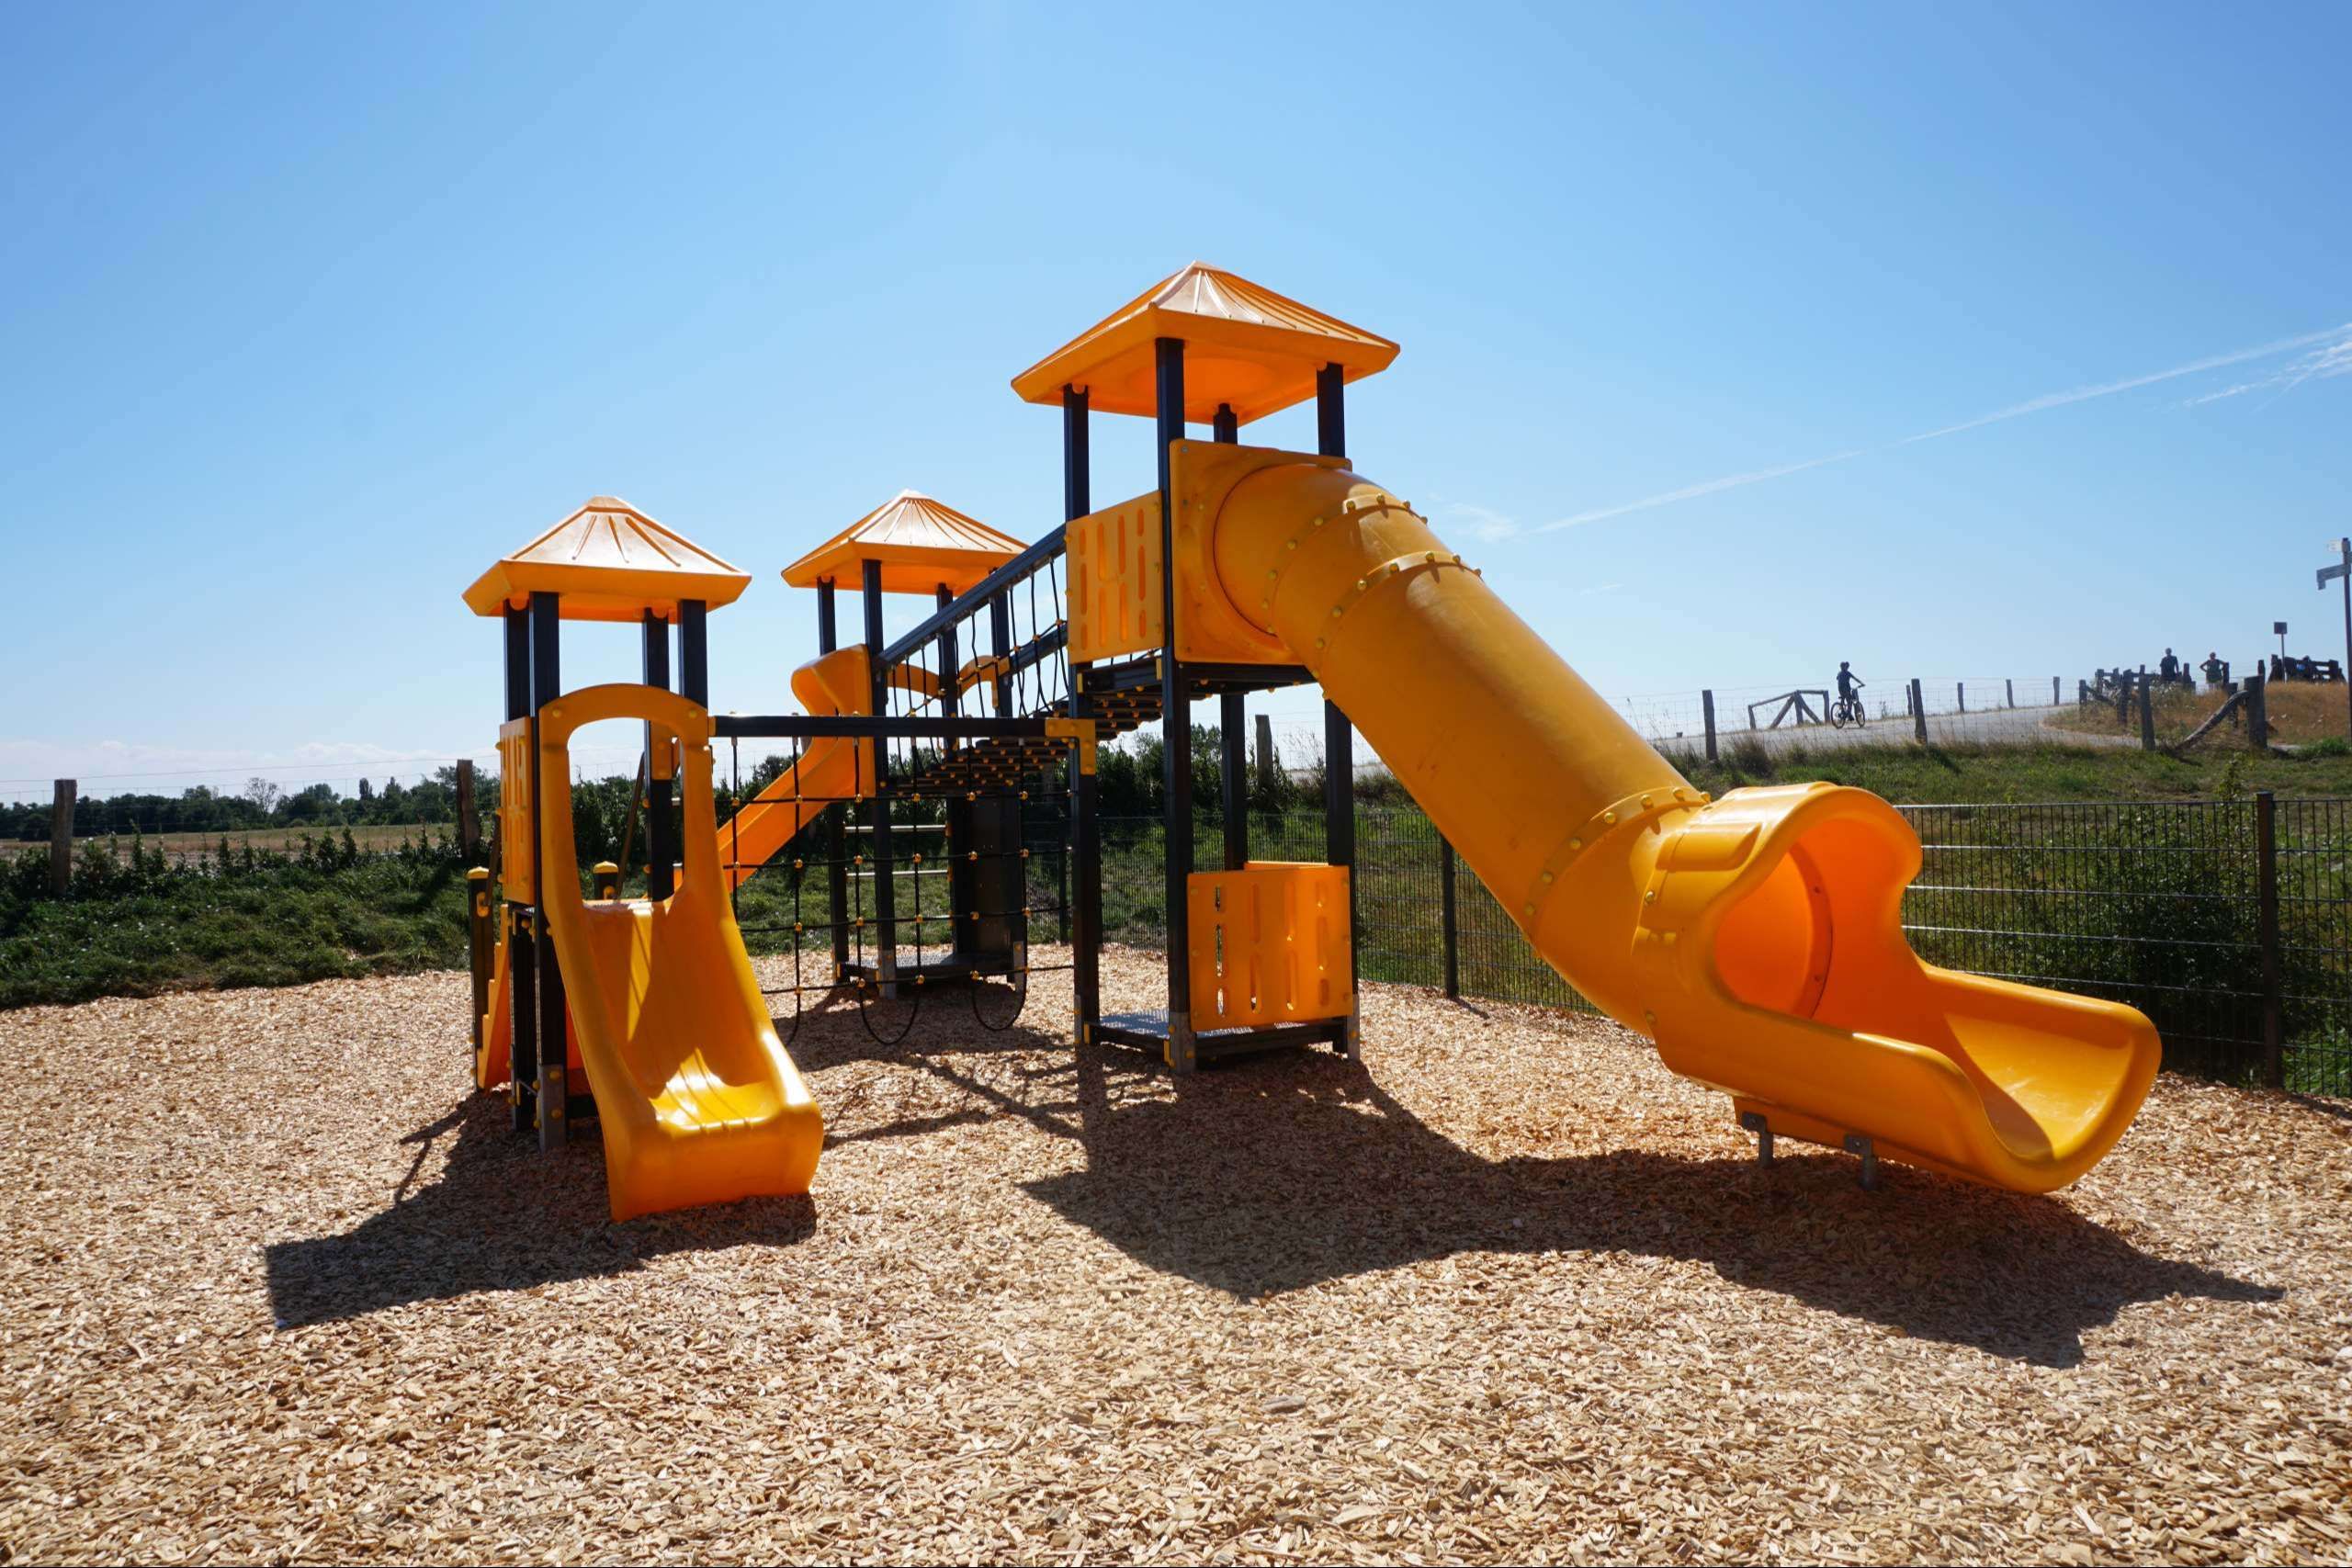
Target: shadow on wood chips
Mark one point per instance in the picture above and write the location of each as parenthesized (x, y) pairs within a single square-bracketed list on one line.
[(1278, 1173), (502, 1217)]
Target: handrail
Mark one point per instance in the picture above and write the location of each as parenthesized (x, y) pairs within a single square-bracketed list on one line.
[(970, 603)]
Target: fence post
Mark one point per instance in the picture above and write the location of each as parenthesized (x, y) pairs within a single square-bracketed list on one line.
[(1918, 713), (2054, 691), (2265, 849), (61, 837), (2009, 685), (1265, 756), (2257, 712), (1960, 695), (2147, 714), (1446, 903), (1707, 706), (468, 824)]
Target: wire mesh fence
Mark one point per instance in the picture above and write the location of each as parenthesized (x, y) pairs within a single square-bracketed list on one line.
[(2163, 905)]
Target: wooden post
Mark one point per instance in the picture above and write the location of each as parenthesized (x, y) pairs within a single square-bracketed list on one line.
[(469, 823), (1960, 693), (61, 837), (2010, 687), (1707, 707), (2054, 691), (2257, 711), (2147, 714), (1918, 713), (1265, 756), (2265, 849)]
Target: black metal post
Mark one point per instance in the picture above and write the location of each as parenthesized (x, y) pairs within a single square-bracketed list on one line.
[(1084, 845), (1338, 735), (1176, 720), (693, 652), (550, 1080), (1330, 412), (1450, 915), (2265, 849), (877, 847), (827, 622), (1232, 724), (522, 952), (1339, 833), (1225, 426), (660, 830)]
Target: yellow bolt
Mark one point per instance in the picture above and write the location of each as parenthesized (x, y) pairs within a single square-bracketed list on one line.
[(1334, 609), (1547, 878), (1645, 803), (1318, 642), (1609, 817), (1290, 544), (1575, 843), (1430, 557), (797, 866), (1529, 909), (1271, 574), (1650, 897), (1648, 1017), (1360, 585)]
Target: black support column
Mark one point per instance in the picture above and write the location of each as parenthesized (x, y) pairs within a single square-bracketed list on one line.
[(522, 949), (828, 638), (1338, 735), (1176, 721), (1083, 851), (546, 685), (877, 849), (660, 830)]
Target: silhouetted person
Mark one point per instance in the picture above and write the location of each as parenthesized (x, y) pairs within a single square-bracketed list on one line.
[(1848, 687), (2169, 668)]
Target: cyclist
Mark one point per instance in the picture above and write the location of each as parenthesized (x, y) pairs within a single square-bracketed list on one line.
[(1849, 693)]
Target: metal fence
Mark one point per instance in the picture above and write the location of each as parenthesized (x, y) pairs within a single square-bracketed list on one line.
[(2229, 922)]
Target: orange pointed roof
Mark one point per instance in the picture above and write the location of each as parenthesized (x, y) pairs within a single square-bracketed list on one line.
[(921, 543), (610, 562), (1244, 345)]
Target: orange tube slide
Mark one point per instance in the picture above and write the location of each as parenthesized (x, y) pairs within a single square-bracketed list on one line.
[(1756, 938)]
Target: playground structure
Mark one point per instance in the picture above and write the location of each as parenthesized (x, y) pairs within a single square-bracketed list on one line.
[(1755, 940)]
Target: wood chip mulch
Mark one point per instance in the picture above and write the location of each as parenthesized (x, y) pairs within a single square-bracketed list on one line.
[(277, 1287)]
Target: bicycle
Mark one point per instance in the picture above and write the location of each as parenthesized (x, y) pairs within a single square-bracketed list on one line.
[(1846, 711)]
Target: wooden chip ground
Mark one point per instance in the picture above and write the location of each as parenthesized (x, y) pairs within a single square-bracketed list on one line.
[(277, 1287)]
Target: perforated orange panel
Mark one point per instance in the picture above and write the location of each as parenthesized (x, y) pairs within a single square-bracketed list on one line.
[(515, 812), (1115, 593), (1270, 945)]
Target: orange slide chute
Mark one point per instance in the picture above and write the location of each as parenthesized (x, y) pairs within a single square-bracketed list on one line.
[(697, 1100), (1756, 938), (827, 772)]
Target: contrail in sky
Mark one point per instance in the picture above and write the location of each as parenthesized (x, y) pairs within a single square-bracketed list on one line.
[(2340, 337)]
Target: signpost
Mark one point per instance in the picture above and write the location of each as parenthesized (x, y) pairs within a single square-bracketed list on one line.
[(2342, 572)]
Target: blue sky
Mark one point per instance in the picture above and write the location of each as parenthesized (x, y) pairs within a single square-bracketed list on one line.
[(310, 311)]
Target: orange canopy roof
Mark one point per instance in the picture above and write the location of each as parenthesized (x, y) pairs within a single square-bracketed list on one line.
[(610, 562), (921, 543), (1244, 345)]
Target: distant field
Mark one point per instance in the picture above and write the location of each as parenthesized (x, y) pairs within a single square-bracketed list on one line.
[(2299, 714), (194, 846)]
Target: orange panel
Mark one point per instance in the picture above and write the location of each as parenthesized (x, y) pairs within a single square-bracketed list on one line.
[(515, 811), (1270, 945), (1114, 594)]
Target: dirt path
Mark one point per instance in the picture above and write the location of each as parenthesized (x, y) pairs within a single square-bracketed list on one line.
[(276, 1286)]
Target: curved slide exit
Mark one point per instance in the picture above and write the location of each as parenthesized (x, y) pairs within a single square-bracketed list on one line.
[(1756, 939), (698, 1102)]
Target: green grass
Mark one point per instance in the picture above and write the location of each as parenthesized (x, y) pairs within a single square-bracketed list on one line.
[(139, 921)]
